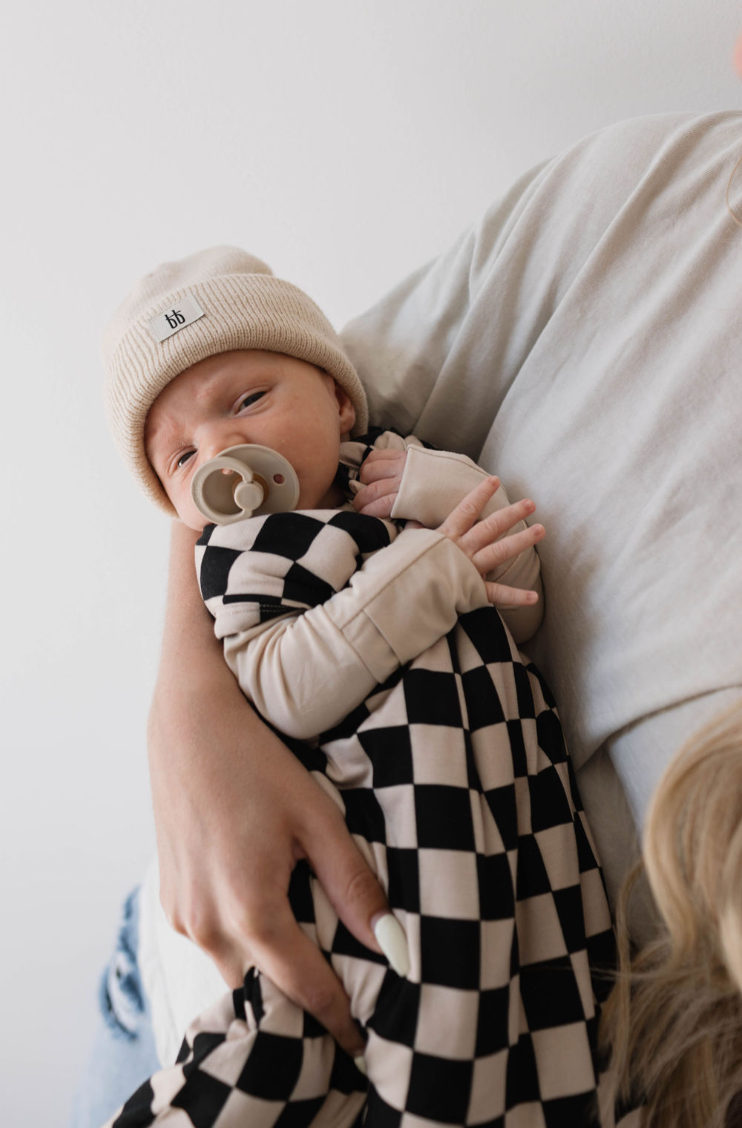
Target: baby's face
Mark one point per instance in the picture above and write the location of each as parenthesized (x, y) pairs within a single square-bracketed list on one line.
[(248, 396)]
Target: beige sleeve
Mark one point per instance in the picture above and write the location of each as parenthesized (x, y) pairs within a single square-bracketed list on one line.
[(306, 672), (433, 483)]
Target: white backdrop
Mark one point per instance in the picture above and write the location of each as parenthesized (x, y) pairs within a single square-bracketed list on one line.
[(345, 142)]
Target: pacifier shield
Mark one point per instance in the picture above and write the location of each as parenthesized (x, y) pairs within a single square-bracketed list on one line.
[(259, 481)]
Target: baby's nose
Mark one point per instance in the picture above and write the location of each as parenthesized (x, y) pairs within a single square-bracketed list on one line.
[(219, 441)]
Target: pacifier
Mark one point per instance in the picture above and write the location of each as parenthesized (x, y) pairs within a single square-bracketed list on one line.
[(262, 481)]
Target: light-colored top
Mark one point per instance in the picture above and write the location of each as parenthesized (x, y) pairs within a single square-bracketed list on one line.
[(584, 338)]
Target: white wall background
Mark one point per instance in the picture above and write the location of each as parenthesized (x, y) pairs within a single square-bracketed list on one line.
[(345, 143)]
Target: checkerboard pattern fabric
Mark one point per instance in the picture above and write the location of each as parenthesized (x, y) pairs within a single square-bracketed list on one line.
[(457, 786), (283, 562)]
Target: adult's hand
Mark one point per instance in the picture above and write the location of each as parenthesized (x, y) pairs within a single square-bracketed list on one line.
[(234, 812)]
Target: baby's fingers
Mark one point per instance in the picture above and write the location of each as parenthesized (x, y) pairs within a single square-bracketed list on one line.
[(500, 595), (377, 499), (382, 464), (461, 519), (507, 548), (498, 523)]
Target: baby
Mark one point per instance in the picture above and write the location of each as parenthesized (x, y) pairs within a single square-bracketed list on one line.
[(375, 649)]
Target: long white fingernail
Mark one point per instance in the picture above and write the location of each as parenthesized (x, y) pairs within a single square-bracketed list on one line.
[(393, 943), (360, 1064)]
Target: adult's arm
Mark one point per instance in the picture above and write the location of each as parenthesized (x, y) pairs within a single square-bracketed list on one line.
[(234, 811)]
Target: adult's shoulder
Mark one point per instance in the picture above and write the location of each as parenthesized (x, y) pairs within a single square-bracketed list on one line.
[(650, 138), (670, 155), (600, 171)]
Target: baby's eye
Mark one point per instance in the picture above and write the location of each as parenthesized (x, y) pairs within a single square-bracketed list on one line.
[(184, 458), (249, 400)]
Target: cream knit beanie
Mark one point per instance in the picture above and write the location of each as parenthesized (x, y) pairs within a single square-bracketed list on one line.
[(211, 302)]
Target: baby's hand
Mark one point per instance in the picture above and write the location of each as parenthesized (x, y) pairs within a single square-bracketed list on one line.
[(479, 539), (381, 476)]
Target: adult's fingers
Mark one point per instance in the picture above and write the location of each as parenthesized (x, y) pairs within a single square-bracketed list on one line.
[(287, 956), (360, 903), (350, 885), (354, 892)]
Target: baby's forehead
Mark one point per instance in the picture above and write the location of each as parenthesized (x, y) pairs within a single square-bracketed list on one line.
[(185, 390), (171, 409), (160, 427), (187, 393)]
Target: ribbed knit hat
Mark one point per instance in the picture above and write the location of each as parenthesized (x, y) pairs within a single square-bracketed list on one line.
[(211, 302)]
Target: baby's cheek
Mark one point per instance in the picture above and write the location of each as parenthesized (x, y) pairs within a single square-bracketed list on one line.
[(187, 512)]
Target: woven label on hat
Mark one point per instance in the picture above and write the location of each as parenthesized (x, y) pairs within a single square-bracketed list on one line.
[(184, 312)]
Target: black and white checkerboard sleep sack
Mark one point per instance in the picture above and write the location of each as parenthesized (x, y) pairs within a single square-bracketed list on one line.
[(455, 782)]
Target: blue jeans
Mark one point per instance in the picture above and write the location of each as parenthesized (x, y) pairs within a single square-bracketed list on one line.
[(123, 1053)]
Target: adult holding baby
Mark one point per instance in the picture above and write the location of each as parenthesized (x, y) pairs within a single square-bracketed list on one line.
[(259, 339), (583, 339), (377, 644)]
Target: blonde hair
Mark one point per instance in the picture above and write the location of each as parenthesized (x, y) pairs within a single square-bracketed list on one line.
[(673, 1022)]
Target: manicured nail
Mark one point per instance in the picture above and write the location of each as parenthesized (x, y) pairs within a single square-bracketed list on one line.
[(393, 943), (360, 1064)]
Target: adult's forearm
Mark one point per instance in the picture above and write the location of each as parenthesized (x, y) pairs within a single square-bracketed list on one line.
[(199, 720), (194, 685), (189, 650), (234, 810)]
